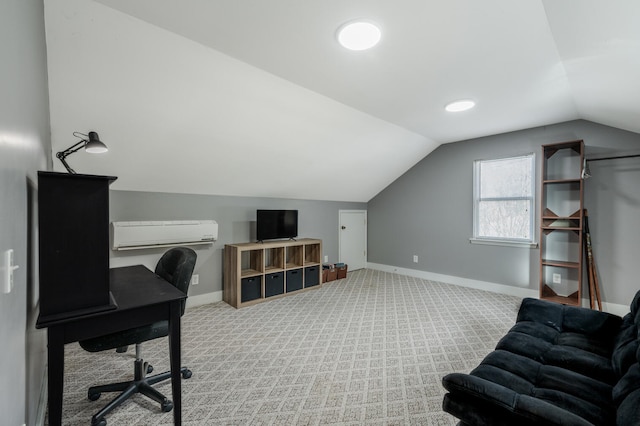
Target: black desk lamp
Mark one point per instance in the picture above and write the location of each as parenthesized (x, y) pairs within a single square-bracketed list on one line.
[(92, 145)]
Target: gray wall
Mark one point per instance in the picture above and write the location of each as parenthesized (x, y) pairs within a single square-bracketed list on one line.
[(428, 211), (236, 224), (24, 149)]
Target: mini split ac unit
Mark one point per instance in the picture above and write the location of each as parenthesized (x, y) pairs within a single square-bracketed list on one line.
[(150, 234)]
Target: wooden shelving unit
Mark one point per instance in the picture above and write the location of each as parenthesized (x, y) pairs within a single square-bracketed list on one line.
[(561, 222), (256, 272)]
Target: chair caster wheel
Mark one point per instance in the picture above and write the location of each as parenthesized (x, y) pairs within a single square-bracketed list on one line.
[(166, 406), (149, 369), (93, 396), (186, 374)]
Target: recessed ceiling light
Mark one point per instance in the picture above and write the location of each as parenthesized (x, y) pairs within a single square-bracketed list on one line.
[(461, 105), (359, 35)]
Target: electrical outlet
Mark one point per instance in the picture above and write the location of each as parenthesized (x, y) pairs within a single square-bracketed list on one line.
[(326, 259), (415, 258), (195, 279), (557, 279)]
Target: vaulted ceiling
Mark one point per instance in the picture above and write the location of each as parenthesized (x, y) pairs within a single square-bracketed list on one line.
[(257, 98)]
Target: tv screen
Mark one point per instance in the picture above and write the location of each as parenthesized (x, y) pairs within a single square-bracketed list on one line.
[(274, 224)]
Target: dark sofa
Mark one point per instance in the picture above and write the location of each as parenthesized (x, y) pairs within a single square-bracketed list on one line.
[(558, 365)]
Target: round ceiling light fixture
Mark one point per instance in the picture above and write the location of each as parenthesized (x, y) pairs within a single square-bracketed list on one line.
[(461, 105), (359, 35)]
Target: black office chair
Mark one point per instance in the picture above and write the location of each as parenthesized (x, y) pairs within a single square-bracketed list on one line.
[(175, 266)]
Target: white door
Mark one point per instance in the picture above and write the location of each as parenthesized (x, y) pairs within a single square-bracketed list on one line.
[(352, 248)]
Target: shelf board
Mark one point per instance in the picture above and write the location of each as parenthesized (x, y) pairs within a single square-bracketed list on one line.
[(550, 214), (560, 218), (549, 294), (552, 148), (552, 181), (292, 266), (560, 263), (272, 269), (249, 273)]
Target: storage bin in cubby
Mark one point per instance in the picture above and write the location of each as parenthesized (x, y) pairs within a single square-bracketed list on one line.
[(294, 280), (311, 276), (273, 284), (251, 288)]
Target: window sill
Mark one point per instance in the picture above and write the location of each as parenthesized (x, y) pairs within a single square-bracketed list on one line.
[(505, 243)]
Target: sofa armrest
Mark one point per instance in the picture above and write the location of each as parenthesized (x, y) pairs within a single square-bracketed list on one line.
[(505, 403), (569, 318)]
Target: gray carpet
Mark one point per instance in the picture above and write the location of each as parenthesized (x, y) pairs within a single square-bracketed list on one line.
[(369, 349)]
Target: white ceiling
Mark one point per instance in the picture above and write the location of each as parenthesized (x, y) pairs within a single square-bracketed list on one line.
[(256, 98)]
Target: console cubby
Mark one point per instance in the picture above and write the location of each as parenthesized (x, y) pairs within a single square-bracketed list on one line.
[(294, 256), (255, 272), (252, 262), (274, 259), (312, 254)]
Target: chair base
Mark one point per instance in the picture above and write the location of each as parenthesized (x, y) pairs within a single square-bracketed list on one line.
[(140, 384)]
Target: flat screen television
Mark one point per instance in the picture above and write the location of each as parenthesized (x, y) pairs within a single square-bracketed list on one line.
[(276, 224)]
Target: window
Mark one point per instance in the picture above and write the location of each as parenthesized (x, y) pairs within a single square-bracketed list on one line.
[(503, 200)]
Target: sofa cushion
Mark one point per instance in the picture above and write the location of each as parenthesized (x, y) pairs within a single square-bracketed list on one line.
[(478, 401), (569, 350), (629, 410), (625, 346), (628, 384)]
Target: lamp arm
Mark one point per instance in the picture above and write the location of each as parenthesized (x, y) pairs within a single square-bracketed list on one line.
[(64, 163), (64, 154), (71, 149)]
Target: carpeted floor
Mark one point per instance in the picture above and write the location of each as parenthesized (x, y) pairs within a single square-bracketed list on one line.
[(369, 349)]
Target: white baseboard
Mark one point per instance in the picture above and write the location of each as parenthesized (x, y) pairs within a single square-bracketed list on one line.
[(612, 308), (204, 299), (463, 282), (615, 308)]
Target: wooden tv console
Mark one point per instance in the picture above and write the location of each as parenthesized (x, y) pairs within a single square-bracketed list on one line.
[(256, 272)]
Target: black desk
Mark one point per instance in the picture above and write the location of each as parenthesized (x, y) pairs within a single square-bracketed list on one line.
[(141, 298)]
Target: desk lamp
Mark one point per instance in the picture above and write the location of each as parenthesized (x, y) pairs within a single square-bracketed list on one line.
[(91, 144)]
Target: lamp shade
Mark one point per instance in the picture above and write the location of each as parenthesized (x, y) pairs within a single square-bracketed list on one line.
[(94, 145)]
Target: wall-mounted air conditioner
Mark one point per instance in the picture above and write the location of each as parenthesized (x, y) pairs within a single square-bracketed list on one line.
[(150, 234)]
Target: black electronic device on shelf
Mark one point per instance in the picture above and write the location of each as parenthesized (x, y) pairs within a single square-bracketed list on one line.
[(276, 224)]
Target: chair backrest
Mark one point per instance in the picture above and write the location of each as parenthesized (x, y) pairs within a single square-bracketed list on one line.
[(176, 266)]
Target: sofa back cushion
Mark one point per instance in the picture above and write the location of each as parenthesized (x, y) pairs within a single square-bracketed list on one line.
[(626, 363), (625, 346), (627, 341)]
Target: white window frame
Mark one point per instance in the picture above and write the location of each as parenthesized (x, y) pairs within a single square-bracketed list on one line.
[(512, 242)]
